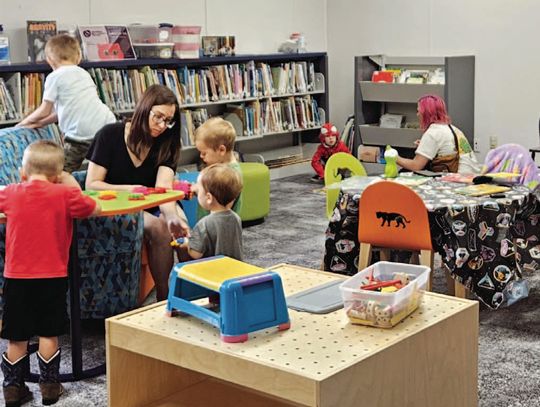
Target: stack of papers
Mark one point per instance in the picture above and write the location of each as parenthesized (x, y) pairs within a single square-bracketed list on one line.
[(481, 189)]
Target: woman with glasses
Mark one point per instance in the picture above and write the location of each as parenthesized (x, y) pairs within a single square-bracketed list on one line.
[(440, 139), (144, 152)]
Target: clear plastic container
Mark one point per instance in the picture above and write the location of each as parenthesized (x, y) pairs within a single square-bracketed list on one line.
[(160, 50), (150, 34), (383, 309)]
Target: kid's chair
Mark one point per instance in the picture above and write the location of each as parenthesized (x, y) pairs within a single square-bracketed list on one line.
[(392, 215), (338, 167), (513, 158)]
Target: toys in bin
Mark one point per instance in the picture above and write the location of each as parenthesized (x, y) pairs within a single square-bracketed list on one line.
[(384, 293)]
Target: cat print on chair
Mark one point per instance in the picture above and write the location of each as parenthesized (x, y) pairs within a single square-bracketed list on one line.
[(388, 217), (343, 173)]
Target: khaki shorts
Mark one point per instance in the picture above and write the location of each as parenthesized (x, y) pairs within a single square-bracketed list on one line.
[(74, 153)]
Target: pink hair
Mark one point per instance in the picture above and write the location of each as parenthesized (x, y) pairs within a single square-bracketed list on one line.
[(432, 109)]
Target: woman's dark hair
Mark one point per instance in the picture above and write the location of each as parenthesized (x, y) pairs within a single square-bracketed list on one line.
[(139, 132)]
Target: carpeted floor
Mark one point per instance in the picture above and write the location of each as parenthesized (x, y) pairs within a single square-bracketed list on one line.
[(509, 359)]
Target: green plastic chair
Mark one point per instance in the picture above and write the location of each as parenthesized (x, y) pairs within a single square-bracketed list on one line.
[(338, 167)]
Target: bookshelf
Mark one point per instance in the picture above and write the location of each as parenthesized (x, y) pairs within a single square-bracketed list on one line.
[(373, 99), (280, 100)]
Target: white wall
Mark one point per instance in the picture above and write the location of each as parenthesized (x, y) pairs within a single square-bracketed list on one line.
[(259, 26), (503, 35)]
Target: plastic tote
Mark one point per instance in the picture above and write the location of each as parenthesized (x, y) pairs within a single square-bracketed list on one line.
[(383, 309)]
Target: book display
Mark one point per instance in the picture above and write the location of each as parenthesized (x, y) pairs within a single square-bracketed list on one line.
[(37, 34), (106, 42), (275, 99), (389, 87)]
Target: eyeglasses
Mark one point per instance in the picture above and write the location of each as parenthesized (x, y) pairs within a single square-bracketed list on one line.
[(159, 119)]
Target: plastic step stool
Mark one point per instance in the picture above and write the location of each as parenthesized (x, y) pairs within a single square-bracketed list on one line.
[(250, 298)]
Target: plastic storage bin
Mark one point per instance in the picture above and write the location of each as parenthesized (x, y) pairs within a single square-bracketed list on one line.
[(187, 41), (161, 50), (383, 309), (150, 34)]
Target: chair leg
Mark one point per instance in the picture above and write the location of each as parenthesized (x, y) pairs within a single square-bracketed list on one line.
[(460, 290), (426, 259), (365, 256), (450, 282), (385, 254)]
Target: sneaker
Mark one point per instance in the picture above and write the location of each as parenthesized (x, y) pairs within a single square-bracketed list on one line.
[(316, 179)]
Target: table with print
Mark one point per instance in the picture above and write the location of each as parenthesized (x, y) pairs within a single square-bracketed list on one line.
[(118, 206), (486, 242), (429, 359)]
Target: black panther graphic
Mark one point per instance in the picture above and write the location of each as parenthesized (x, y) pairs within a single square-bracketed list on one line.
[(388, 217), (343, 173)]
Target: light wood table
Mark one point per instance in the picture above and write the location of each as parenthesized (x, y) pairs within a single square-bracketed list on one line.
[(430, 359)]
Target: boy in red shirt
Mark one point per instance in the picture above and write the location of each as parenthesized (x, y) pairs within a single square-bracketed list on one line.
[(330, 144), (39, 212)]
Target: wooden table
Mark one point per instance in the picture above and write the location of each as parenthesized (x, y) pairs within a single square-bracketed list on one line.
[(428, 360)]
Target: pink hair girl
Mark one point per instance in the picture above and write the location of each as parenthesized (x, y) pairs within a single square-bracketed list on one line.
[(432, 109)]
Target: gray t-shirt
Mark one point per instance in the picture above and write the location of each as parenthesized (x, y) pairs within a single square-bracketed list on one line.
[(218, 233)]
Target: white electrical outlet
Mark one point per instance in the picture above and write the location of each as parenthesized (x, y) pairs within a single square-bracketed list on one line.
[(493, 142), (476, 146)]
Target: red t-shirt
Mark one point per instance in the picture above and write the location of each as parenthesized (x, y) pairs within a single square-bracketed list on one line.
[(39, 227)]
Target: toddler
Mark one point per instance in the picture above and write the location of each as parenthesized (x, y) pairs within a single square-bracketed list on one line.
[(219, 233), (330, 144), (70, 97), (39, 212)]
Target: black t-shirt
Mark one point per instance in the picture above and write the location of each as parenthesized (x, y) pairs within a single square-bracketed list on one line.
[(109, 150)]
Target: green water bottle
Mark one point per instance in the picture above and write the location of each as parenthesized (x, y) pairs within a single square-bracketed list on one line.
[(390, 169)]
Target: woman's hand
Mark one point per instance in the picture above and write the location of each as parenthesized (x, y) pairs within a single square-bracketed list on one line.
[(177, 227)]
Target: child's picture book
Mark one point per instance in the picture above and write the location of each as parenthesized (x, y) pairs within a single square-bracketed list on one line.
[(106, 42), (481, 189), (38, 33)]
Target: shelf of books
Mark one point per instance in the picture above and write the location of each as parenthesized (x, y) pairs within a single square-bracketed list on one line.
[(261, 95)]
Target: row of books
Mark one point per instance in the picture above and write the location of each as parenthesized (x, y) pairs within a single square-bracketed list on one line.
[(257, 118), (20, 95)]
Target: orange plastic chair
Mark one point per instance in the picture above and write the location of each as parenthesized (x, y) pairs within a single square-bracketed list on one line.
[(146, 281), (392, 215)]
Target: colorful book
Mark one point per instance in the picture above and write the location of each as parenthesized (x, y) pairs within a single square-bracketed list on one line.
[(481, 189), (106, 42), (38, 33)]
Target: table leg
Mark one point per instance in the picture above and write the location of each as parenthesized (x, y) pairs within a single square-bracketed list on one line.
[(74, 273)]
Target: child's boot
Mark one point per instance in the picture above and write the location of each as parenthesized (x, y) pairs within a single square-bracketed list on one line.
[(16, 392), (49, 381)]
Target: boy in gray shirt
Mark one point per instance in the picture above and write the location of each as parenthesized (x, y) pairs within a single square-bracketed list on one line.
[(219, 233)]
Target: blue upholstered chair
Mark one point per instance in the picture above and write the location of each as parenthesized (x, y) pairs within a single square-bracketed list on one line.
[(109, 247)]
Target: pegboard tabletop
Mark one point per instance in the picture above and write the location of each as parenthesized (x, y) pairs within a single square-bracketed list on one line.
[(315, 347)]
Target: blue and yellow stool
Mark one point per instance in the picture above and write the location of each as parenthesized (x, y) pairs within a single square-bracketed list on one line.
[(250, 298)]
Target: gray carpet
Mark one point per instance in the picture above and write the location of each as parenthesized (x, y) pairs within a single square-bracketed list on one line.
[(509, 359)]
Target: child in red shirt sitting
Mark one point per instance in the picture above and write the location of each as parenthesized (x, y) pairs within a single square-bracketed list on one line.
[(39, 213), (330, 144)]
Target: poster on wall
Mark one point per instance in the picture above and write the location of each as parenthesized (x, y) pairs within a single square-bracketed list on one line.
[(106, 42)]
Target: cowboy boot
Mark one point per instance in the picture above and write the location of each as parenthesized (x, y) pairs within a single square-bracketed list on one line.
[(49, 381), (16, 392)]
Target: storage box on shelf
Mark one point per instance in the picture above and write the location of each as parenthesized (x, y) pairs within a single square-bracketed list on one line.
[(373, 99), (273, 100)]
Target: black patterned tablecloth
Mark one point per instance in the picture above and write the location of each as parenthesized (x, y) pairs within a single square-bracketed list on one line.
[(486, 242)]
